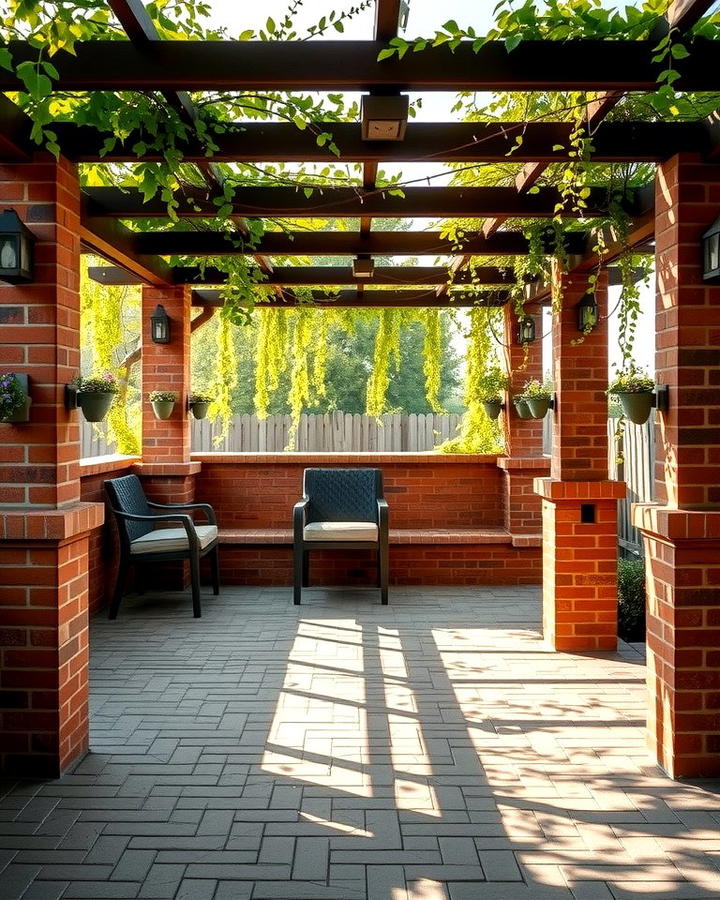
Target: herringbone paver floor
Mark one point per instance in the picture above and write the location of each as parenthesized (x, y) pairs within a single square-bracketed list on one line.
[(434, 748)]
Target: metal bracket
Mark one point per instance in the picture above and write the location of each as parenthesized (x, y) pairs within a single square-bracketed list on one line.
[(71, 393), (661, 399)]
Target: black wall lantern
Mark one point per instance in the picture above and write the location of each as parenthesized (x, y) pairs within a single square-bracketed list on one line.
[(16, 249), (160, 326), (383, 118), (588, 314), (525, 330), (711, 252)]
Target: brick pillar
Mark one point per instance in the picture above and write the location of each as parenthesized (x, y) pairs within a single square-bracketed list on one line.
[(579, 503), (166, 469), (44, 528), (524, 439), (681, 533)]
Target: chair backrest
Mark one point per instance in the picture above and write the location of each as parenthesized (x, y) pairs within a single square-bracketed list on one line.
[(342, 495), (126, 495)]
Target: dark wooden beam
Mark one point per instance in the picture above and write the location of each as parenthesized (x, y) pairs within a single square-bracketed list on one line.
[(116, 243), (346, 202), (387, 14), (370, 299), (684, 14), (543, 142), (322, 275), (587, 65), (339, 243), (15, 128)]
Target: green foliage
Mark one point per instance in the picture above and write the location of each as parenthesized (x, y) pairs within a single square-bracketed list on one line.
[(225, 377), (432, 358), (387, 351), (493, 384), (478, 433), (631, 380), (201, 397), (162, 396), (631, 599), (12, 395)]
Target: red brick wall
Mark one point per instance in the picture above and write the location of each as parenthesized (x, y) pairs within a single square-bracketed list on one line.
[(427, 491), (524, 437), (166, 367), (40, 335)]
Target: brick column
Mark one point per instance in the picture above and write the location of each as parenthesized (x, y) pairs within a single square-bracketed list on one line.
[(44, 528), (579, 503), (166, 469), (523, 437), (681, 533)]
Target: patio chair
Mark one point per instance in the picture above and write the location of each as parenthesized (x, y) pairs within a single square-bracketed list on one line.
[(341, 509), (141, 543)]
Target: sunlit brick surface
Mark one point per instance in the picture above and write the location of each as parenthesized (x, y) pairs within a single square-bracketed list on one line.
[(433, 748)]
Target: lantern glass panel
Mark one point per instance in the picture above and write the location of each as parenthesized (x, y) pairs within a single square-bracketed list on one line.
[(9, 252), (712, 253)]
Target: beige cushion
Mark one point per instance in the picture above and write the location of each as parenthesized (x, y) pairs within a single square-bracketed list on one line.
[(170, 540), (341, 531)]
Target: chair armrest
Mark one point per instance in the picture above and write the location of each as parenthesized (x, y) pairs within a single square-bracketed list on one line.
[(207, 509), (299, 516), (185, 521), (383, 511)]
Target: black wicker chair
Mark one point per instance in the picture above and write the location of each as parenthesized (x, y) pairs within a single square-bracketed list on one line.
[(141, 543), (341, 509)]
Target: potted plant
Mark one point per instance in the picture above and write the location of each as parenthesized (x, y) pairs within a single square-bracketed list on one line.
[(15, 398), (95, 395), (492, 386), (521, 407), (163, 403), (199, 402), (537, 396), (634, 388)]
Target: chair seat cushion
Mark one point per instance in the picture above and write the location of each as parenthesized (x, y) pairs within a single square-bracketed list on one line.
[(341, 531), (172, 540)]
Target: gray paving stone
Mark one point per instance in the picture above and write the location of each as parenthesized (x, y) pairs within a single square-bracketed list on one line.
[(311, 859), (196, 889), (98, 890), (500, 865), (386, 881), (133, 865), (459, 851), (45, 890), (162, 881)]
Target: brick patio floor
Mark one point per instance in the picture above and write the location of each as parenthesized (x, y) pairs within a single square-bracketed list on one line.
[(430, 749)]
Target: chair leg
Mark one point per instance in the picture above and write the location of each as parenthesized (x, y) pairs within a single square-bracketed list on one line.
[(195, 582), (215, 567), (118, 590), (384, 566), (298, 570), (306, 570)]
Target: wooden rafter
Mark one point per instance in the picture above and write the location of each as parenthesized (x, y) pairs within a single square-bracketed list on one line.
[(346, 202), (338, 243), (312, 276), (372, 299), (586, 65)]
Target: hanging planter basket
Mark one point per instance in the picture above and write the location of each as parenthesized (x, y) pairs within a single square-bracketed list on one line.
[(200, 408), (637, 405), (95, 406), (163, 409), (538, 407), (522, 409), (22, 413), (492, 408)]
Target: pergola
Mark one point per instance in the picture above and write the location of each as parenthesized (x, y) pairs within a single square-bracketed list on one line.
[(50, 514)]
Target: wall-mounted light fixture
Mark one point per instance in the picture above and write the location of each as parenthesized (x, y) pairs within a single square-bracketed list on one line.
[(16, 249), (160, 326), (711, 252), (384, 118), (525, 330), (403, 14), (363, 267), (588, 314)]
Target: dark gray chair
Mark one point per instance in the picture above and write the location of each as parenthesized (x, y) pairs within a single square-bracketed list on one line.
[(142, 543), (341, 509)]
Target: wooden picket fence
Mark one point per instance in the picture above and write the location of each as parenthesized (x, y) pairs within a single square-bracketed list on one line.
[(336, 432)]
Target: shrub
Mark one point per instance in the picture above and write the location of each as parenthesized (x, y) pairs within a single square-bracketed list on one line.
[(535, 389), (201, 397), (631, 599), (631, 381), (159, 396), (97, 384)]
